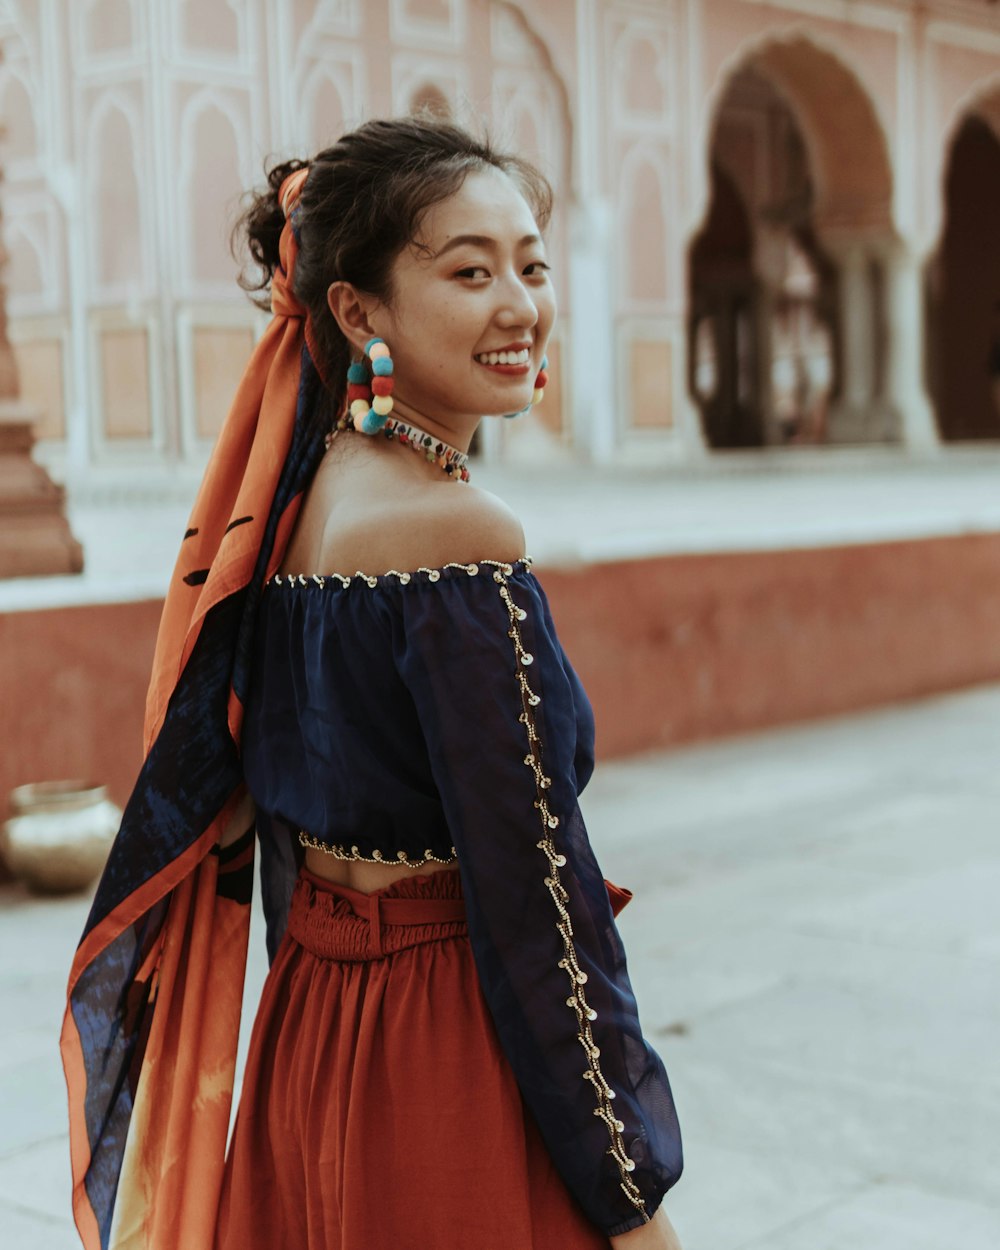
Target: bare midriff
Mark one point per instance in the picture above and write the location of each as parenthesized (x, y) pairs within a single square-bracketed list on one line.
[(363, 876)]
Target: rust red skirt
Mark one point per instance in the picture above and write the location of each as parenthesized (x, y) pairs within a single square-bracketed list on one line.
[(378, 1111)]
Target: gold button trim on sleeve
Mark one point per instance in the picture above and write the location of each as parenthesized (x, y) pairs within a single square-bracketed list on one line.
[(585, 1014), (353, 854), (404, 579)]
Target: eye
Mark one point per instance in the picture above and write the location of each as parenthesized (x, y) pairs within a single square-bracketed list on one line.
[(473, 271), (537, 269)]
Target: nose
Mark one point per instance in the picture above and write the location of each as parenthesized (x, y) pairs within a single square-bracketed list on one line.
[(516, 304)]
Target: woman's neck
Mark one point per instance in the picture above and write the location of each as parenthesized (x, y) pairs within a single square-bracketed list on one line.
[(457, 432)]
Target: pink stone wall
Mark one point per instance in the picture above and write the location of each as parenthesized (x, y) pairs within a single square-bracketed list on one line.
[(132, 127)]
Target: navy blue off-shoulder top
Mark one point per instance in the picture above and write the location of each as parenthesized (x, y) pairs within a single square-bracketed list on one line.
[(432, 716)]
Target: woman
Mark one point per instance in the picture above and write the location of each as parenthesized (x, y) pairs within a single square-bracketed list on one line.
[(447, 1052)]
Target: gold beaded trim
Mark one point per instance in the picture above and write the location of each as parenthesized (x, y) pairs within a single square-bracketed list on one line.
[(400, 860), (372, 579), (585, 1014)]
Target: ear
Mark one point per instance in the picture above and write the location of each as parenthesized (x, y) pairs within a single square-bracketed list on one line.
[(351, 309)]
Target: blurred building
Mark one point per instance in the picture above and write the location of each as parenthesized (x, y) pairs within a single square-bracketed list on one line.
[(767, 211), (776, 227)]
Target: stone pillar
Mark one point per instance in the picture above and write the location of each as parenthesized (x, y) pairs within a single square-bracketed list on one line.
[(9, 386), (905, 391), (769, 253), (35, 537), (851, 415), (592, 345)]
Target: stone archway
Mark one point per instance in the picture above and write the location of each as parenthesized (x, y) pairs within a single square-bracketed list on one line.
[(801, 346), (963, 287)]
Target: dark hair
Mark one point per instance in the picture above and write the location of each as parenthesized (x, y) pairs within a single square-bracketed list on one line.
[(362, 204)]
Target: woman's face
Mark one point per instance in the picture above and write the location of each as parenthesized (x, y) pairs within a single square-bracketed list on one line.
[(476, 285)]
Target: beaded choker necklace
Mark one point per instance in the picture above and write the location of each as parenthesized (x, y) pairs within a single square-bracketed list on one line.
[(450, 459)]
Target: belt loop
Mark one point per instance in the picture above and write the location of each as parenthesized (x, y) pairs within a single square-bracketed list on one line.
[(374, 925)]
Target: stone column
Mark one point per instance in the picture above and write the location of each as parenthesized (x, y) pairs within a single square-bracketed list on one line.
[(851, 414), (769, 255), (905, 391), (592, 345), (9, 385), (34, 533)]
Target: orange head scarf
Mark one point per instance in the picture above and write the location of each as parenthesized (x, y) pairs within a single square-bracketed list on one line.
[(155, 992)]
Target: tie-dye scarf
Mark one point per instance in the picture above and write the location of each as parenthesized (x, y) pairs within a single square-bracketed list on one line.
[(155, 993)]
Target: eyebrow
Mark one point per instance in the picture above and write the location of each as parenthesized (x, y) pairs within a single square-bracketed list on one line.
[(482, 240)]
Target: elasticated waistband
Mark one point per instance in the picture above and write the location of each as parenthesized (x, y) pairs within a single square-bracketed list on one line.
[(336, 922)]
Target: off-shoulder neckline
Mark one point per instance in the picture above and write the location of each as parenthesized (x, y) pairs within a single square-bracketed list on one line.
[(393, 577)]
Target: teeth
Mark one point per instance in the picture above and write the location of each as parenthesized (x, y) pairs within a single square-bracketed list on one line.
[(520, 357)]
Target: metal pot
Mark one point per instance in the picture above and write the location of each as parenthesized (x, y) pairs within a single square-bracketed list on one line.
[(59, 834)]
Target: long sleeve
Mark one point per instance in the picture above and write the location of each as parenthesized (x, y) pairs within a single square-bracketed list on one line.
[(495, 698)]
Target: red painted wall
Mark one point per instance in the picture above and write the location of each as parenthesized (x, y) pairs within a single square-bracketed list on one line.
[(690, 647), (670, 650), (73, 684)]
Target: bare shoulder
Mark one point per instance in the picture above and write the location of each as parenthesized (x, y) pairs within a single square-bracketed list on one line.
[(474, 522), (426, 529)]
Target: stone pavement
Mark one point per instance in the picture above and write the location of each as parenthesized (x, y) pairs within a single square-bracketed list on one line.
[(816, 949)]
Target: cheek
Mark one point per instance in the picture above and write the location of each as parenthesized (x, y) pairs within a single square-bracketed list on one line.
[(428, 356), (547, 309)]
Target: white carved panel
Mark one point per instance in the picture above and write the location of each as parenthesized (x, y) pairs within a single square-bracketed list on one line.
[(108, 34), (215, 34), (20, 140), (112, 204), (328, 101), (428, 23), (643, 215), (311, 19), (123, 420), (527, 115), (324, 107), (190, 320), (33, 240), (641, 76), (215, 166), (510, 40), (411, 72)]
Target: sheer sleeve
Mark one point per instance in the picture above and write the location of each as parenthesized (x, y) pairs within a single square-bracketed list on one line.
[(495, 698)]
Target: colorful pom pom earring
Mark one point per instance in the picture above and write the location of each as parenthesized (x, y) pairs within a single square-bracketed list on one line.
[(369, 398), (537, 394)]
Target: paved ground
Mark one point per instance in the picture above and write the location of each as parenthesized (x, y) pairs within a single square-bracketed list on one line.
[(816, 948)]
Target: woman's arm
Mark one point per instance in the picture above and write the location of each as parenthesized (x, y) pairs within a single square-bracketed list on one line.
[(658, 1234), (485, 670)]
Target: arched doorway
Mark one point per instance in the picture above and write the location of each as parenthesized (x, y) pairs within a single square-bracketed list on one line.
[(788, 282), (964, 288)]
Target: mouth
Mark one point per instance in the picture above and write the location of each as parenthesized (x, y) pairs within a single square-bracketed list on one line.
[(513, 360)]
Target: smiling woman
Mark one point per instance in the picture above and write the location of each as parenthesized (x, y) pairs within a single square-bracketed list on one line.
[(447, 1052)]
